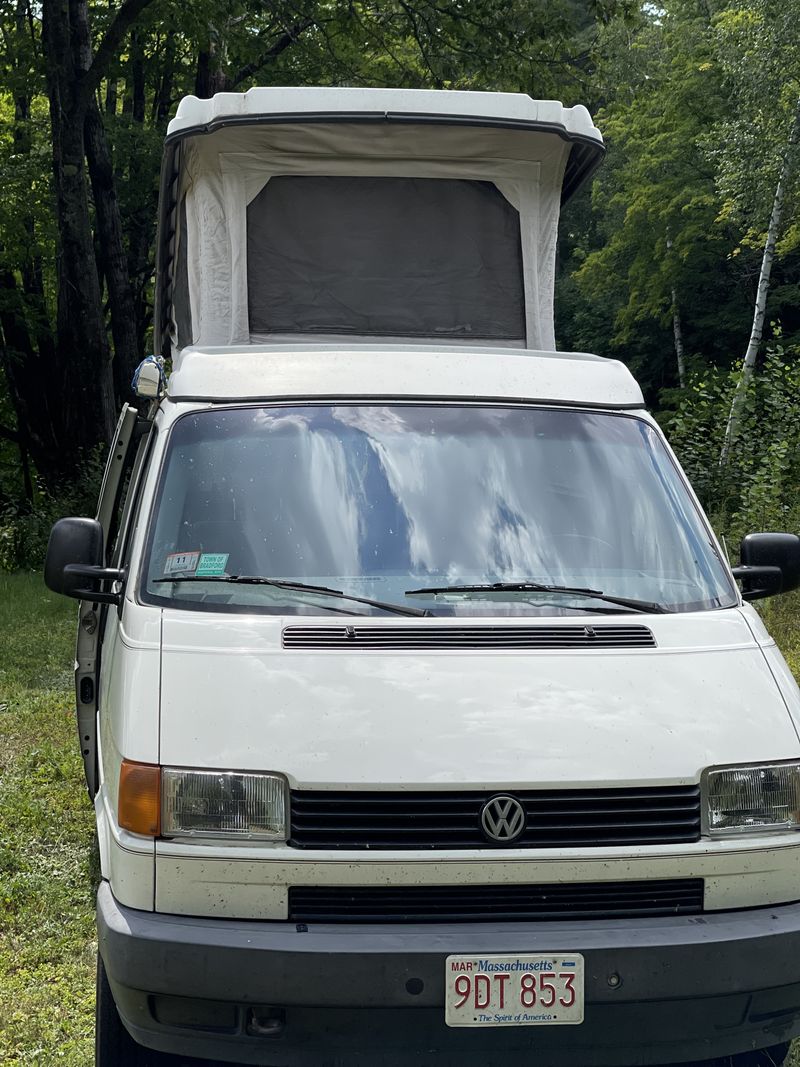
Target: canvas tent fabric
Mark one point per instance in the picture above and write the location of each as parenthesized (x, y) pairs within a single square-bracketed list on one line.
[(350, 228)]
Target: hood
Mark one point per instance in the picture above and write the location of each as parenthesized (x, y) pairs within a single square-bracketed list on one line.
[(232, 697)]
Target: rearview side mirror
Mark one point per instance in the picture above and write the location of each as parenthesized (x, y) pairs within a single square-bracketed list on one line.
[(770, 564), (73, 565)]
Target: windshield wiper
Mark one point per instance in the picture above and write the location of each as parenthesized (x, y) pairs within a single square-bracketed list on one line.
[(538, 587), (300, 587)]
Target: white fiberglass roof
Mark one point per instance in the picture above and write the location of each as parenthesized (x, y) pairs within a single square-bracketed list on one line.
[(498, 108), (398, 371)]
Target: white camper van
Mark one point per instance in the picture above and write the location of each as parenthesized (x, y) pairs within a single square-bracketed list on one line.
[(424, 719)]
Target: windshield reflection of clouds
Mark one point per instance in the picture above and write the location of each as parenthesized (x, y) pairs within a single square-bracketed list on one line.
[(412, 493)]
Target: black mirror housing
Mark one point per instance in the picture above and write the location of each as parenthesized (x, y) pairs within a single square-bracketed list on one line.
[(74, 562), (72, 541), (770, 564)]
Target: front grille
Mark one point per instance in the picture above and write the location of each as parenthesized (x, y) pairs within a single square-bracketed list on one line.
[(493, 903), (449, 819), (431, 636)]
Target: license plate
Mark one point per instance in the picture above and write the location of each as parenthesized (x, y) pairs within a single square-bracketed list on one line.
[(514, 990)]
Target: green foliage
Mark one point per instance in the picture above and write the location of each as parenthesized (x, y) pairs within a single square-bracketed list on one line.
[(759, 489), (756, 45), (25, 525), (172, 49), (656, 245), (696, 107)]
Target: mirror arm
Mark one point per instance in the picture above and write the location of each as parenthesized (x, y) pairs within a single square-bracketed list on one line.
[(745, 572), (102, 574)]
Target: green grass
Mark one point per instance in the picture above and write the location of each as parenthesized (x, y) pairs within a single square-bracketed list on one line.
[(782, 616), (47, 866), (47, 936)]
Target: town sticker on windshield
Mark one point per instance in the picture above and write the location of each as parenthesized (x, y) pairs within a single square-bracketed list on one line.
[(514, 990), (212, 565)]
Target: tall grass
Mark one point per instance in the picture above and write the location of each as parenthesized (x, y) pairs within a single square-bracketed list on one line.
[(47, 937)]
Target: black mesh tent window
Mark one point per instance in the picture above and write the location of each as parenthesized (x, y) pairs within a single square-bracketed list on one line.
[(392, 257)]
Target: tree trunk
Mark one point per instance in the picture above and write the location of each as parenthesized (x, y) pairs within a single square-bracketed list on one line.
[(162, 100), (757, 330), (111, 250), (27, 481), (28, 356), (111, 97), (138, 80), (677, 329), (677, 333), (83, 354), (211, 75), (34, 385), (141, 221)]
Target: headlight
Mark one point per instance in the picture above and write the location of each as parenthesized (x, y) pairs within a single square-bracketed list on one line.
[(222, 804), (763, 797)]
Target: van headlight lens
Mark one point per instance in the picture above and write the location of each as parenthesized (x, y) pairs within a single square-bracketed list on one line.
[(762, 797), (228, 804)]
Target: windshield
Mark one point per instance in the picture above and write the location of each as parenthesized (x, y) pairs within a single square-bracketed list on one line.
[(380, 500)]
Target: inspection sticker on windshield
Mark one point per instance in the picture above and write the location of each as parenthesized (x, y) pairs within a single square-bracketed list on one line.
[(514, 990), (211, 565), (181, 563)]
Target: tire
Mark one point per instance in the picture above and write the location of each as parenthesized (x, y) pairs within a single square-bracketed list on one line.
[(774, 1056), (113, 1045)]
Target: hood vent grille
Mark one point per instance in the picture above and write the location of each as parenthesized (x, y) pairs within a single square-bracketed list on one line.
[(430, 636)]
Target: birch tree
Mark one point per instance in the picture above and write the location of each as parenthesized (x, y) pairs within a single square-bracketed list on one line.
[(760, 311), (755, 153)]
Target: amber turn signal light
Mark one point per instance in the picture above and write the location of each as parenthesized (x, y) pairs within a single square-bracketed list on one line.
[(139, 807)]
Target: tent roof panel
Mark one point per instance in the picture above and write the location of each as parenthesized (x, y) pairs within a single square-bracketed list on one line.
[(492, 108)]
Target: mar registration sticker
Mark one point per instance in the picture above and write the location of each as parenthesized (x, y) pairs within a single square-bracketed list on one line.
[(181, 563)]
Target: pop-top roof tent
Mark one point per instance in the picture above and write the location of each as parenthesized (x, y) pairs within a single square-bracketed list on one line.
[(365, 214)]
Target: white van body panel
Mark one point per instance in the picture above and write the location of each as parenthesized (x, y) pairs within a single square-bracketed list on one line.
[(126, 860), (233, 698), (129, 682), (252, 883), (785, 680)]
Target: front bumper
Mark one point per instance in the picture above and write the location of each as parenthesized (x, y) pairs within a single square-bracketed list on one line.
[(689, 988)]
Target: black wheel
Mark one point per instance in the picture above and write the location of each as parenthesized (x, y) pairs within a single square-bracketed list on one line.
[(114, 1046), (112, 1042), (774, 1056)]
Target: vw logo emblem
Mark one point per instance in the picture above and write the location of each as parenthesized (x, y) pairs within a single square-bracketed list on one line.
[(502, 819)]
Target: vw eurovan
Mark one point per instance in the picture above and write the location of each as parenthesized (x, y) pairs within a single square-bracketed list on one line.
[(424, 717)]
